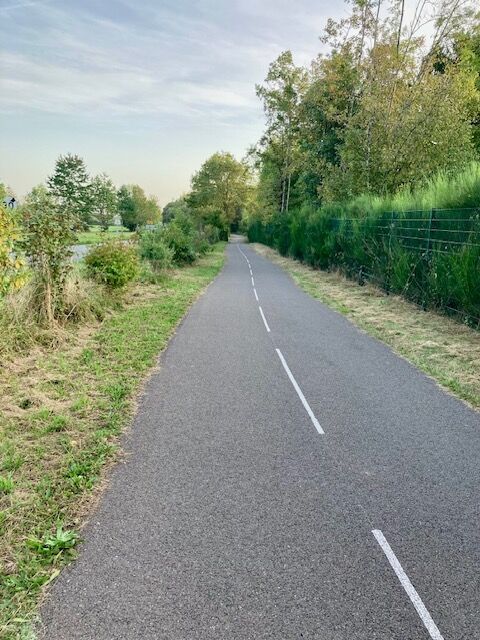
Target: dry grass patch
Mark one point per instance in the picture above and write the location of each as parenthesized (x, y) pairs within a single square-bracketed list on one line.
[(447, 351)]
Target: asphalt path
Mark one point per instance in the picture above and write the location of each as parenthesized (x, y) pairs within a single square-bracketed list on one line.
[(287, 477)]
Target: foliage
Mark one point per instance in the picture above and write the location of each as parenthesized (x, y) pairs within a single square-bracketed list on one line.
[(70, 185), (114, 264), (179, 236), (175, 208), (12, 273), (47, 239), (153, 247), (135, 208), (388, 240), (104, 200), (219, 192)]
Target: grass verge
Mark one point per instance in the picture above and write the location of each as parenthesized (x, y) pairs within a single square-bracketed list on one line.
[(62, 411), (444, 349), (95, 235)]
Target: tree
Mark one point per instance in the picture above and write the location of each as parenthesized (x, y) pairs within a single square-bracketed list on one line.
[(104, 200), (219, 192), (175, 208), (281, 95), (135, 208), (70, 185)]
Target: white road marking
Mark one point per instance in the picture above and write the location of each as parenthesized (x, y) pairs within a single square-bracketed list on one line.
[(253, 282), (264, 319), (315, 422), (408, 586), (243, 255), (251, 272), (255, 292)]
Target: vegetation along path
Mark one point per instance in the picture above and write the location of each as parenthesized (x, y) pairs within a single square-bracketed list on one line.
[(287, 476)]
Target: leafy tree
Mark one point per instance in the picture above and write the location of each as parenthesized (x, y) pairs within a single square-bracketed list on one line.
[(281, 95), (70, 185), (219, 192), (135, 208), (104, 200), (175, 208)]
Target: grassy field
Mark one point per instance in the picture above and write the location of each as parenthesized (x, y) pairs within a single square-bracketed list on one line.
[(62, 411), (95, 234), (444, 349)]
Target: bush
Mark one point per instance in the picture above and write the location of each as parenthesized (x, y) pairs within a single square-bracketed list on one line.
[(114, 264), (181, 241), (47, 239), (153, 247), (11, 267)]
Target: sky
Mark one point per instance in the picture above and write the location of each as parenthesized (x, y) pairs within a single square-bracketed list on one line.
[(143, 90)]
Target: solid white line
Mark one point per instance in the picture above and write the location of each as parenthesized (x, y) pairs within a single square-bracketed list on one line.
[(255, 292), (264, 319), (251, 272), (316, 424), (253, 282), (408, 586)]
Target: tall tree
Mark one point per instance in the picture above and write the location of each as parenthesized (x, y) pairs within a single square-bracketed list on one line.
[(281, 95), (220, 191), (70, 185), (104, 200)]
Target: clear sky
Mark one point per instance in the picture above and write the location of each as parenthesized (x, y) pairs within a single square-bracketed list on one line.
[(144, 90)]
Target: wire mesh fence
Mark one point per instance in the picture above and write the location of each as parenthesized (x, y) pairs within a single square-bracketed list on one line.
[(431, 257)]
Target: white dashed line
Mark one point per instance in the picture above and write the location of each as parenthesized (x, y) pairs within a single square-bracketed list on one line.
[(253, 282), (264, 319), (315, 422), (408, 586), (255, 292)]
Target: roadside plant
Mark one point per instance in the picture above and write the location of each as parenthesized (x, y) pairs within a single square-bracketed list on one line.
[(12, 273), (48, 236), (152, 247), (53, 543), (181, 241), (113, 264)]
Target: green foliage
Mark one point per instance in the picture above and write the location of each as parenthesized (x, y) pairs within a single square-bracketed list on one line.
[(53, 543), (47, 239), (6, 484), (104, 200), (70, 186), (12, 274), (135, 208), (219, 192), (114, 264), (180, 238), (175, 208), (366, 240), (153, 247)]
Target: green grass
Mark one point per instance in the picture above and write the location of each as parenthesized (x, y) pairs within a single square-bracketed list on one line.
[(95, 234), (62, 412)]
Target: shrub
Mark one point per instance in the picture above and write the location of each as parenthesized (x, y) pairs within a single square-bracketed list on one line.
[(181, 242), (11, 267), (47, 239), (114, 264), (153, 247)]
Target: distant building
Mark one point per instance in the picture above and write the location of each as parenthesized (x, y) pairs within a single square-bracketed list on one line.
[(10, 202)]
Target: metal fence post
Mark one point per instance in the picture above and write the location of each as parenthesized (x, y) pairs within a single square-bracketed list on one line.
[(428, 252)]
